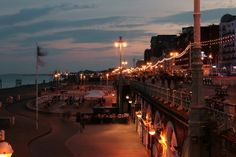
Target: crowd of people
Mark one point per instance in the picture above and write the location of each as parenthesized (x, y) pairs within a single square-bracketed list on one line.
[(165, 79)]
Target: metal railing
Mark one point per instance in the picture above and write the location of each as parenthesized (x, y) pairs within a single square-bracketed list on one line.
[(218, 111), (180, 100)]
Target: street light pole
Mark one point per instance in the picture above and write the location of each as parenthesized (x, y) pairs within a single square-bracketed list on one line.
[(107, 77), (120, 44), (197, 115)]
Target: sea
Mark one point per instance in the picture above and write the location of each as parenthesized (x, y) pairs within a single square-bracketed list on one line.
[(14, 80)]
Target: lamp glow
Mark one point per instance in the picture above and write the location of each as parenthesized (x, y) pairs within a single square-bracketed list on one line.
[(152, 131), (5, 148), (139, 114)]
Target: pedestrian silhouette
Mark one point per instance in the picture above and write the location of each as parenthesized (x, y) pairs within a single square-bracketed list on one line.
[(82, 121), (78, 120)]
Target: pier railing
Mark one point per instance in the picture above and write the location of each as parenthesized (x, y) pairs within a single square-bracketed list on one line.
[(180, 100)]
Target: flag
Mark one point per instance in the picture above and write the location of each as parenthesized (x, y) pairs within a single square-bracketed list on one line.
[(40, 53)]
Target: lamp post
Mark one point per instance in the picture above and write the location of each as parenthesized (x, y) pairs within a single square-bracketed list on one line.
[(57, 77), (84, 79), (107, 76), (151, 132), (124, 62), (5, 148), (197, 115), (210, 57), (81, 78), (174, 55), (120, 44)]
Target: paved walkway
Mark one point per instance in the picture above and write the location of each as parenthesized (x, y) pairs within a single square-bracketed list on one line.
[(62, 138), (53, 145), (114, 140), (23, 132)]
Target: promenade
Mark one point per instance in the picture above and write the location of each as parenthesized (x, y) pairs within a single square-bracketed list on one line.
[(61, 137), (114, 140)]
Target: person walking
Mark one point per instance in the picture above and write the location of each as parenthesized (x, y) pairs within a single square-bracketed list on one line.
[(82, 121), (78, 120)]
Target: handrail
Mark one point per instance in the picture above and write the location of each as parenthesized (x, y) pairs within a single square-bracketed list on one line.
[(181, 100)]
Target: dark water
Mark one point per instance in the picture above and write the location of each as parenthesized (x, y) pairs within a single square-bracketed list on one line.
[(9, 80)]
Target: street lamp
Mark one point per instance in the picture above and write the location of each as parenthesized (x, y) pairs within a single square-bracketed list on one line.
[(139, 114), (107, 75), (120, 44), (173, 55), (81, 78), (5, 148), (57, 77), (149, 63), (151, 132), (84, 78), (210, 58), (124, 62)]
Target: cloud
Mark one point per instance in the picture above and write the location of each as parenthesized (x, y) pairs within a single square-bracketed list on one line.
[(53, 25), (212, 15), (89, 36), (23, 15), (62, 38), (29, 14), (66, 7)]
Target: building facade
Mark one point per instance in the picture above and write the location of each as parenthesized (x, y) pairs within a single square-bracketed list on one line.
[(161, 45), (147, 55), (227, 54), (209, 49)]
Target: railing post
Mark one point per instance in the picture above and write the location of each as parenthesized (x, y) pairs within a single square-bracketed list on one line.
[(173, 99), (167, 94), (181, 102)]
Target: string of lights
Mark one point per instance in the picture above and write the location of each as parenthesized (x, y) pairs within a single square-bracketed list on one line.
[(221, 41)]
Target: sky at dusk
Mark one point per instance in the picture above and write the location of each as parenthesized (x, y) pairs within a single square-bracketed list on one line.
[(79, 34)]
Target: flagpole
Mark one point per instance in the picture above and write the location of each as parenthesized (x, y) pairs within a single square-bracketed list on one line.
[(36, 101)]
